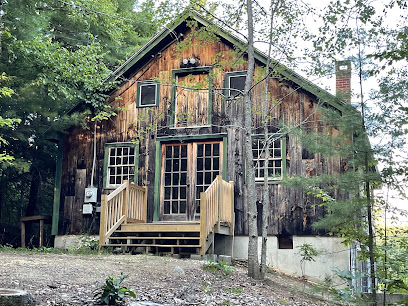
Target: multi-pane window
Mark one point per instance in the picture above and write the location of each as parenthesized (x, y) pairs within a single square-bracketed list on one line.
[(147, 94), (175, 179), (208, 167), (274, 163), (121, 165)]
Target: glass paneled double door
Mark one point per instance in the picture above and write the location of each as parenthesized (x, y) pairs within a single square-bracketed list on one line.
[(187, 170)]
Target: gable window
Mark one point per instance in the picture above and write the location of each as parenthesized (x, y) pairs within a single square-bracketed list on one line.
[(275, 163), (120, 164), (147, 94), (235, 83)]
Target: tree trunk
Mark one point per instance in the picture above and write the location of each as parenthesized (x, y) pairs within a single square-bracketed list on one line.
[(265, 200), (253, 264)]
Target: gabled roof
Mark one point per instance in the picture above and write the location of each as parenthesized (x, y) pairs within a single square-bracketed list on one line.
[(171, 33)]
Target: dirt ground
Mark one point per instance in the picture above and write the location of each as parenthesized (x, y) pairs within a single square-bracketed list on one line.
[(63, 279)]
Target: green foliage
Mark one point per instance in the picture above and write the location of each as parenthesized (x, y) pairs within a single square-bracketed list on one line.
[(308, 253), (350, 294), (218, 267), (237, 290), (112, 292)]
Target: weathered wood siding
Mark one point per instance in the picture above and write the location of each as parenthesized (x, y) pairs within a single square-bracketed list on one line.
[(292, 211)]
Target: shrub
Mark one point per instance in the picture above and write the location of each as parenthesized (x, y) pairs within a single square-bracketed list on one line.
[(112, 293)]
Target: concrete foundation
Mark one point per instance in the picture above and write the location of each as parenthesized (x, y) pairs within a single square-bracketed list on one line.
[(66, 242), (333, 254)]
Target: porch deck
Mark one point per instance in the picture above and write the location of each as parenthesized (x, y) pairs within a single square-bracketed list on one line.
[(123, 222)]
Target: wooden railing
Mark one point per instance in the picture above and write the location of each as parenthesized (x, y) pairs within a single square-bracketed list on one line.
[(216, 209), (127, 203)]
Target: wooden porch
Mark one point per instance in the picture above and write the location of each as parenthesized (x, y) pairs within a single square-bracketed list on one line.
[(124, 222)]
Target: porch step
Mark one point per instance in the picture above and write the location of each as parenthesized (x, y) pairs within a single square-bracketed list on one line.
[(160, 227), (151, 245), (158, 237)]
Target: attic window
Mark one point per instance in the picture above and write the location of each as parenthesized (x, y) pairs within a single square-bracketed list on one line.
[(147, 94), (235, 83)]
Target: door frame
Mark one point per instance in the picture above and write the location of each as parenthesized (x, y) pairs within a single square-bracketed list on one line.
[(158, 161), (174, 74)]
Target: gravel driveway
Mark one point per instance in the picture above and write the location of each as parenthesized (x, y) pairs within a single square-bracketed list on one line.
[(63, 279)]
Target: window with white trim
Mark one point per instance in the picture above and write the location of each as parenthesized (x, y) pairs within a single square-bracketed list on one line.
[(120, 165), (275, 166)]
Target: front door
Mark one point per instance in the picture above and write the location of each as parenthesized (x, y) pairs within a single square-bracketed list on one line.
[(187, 170)]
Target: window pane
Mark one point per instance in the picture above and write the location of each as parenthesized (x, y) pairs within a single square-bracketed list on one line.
[(183, 207), (167, 193), (183, 193), (148, 94), (166, 207), (168, 151), (175, 193), (176, 179), (167, 179), (237, 82), (200, 178), (208, 150), (174, 207), (168, 165), (199, 164), (183, 179), (184, 151), (200, 150), (184, 165), (176, 152), (208, 164), (176, 165), (208, 178), (216, 149), (216, 163)]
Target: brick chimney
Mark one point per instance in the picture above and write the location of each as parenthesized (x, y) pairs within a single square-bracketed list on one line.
[(343, 80)]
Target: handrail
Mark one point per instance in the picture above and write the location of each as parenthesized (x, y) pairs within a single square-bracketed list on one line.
[(216, 207), (127, 203)]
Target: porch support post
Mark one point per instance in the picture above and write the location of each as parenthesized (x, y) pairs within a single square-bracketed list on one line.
[(220, 204), (144, 207), (102, 227), (125, 201), (203, 221)]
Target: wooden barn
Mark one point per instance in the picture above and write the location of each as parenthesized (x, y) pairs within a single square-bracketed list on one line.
[(167, 173)]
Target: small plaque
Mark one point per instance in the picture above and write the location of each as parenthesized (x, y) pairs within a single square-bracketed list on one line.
[(343, 67)]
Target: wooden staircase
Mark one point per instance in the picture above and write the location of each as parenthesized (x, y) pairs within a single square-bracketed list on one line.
[(123, 222), (160, 238)]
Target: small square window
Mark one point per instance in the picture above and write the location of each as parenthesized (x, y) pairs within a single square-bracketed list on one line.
[(147, 94), (235, 83), (285, 242)]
